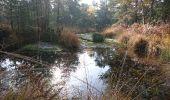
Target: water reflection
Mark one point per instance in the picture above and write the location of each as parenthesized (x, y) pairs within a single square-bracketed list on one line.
[(135, 80), (81, 72), (85, 77), (76, 70)]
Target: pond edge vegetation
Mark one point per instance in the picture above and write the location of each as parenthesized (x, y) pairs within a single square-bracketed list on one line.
[(143, 39)]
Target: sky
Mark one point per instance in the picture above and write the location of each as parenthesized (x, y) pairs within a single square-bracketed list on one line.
[(90, 2)]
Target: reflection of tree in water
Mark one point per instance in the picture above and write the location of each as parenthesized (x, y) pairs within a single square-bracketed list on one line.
[(103, 56), (134, 79), (24, 71)]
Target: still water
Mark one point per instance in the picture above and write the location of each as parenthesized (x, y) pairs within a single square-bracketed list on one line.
[(96, 70), (84, 75), (80, 70)]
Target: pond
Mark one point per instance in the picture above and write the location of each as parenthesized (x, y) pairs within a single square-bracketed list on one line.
[(78, 70), (91, 70)]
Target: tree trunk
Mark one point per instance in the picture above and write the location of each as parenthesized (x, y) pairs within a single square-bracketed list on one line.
[(151, 10), (143, 12), (136, 11)]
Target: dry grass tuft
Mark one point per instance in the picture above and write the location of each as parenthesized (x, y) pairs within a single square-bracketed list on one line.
[(37, 88), (164, 28), (141, 47), (124, 38), (69, 39), (166, 40), (155, 45)]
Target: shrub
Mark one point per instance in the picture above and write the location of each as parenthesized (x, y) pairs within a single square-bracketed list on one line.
[(98, 38), (69, 39), (138, 44)]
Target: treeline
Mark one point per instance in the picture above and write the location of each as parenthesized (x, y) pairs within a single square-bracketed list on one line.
[(139, 11), (21, 14), (35, 20), (44, 20)]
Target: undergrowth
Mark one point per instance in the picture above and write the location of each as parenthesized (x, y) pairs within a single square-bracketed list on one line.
[(143, 39)]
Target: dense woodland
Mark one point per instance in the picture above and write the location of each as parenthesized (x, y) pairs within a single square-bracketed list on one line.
[(48, 13), (30, 20)]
